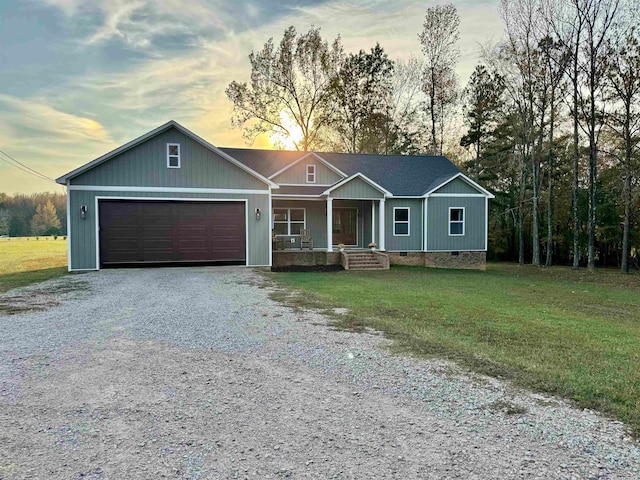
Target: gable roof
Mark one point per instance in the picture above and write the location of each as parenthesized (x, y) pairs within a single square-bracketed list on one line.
[(313, 155), (137, 141), (401, 175), (464, 178), (382, 190)]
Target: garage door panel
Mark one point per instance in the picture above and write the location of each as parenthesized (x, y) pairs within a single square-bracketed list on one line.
[(163, 231)]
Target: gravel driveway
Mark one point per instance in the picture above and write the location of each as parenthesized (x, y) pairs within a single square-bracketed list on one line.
[(196, 373)]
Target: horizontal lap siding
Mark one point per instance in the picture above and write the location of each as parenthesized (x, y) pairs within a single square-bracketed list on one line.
[(83, 232), (404, 243), (438, 224), (146, 166), (298, 174)]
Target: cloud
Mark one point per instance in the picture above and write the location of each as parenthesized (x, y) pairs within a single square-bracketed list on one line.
[(48, 140), (186, 53)]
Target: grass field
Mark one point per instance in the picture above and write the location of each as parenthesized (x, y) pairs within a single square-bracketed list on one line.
[(25, 260), (575, 334)]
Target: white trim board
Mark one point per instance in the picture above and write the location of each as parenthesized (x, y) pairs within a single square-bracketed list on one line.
[(363, 177), (118, 188), (464, 178), (298, 198), (461, 250), (394, 222), (305, 184), (464, 222), (314, 154), (458, 195), (68, 228), (153, 133), (161, 199)]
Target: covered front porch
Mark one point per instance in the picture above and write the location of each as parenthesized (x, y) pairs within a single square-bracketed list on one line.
[(352, 224)]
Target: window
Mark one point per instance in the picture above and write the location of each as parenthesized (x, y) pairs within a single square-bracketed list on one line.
[(456, 221), (311, 174), (288, 221), (173, 155), (400, 221)]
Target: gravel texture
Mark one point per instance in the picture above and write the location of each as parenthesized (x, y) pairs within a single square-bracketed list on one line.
[(196, 373)]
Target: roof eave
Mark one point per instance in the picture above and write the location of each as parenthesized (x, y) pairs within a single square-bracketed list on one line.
[(156, 131)]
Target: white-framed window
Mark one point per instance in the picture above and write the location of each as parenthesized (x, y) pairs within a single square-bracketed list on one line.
[(173, 155), (401, 216), (311, 174), (456, 221), (289, 221)]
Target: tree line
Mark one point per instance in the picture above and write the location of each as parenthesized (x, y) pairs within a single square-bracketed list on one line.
[(549, 120), (33, 215)]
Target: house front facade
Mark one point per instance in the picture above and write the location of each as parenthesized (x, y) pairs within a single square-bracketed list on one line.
[(171, 197)]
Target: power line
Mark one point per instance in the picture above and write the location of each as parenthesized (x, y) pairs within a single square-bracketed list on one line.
[(21, 166)]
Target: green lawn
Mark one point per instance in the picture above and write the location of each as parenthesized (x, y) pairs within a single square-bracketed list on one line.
[(576, 334), (25, 260)]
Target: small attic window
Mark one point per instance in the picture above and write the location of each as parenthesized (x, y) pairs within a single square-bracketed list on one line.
[(311, 174), (173, 155)]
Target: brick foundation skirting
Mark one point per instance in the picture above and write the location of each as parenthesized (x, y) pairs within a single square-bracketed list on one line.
[(474, 260), (305, 258)]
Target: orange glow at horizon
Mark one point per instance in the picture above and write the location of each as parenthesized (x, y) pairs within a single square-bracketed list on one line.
[(284, 140)]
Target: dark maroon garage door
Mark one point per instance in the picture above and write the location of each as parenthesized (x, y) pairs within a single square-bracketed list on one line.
[(159, 232)]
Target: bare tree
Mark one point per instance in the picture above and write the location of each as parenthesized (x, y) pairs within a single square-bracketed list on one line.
[(405, 127), (522, 20), (623, 73), (290, 87), (597, 17), (569, 31), (439, 39)]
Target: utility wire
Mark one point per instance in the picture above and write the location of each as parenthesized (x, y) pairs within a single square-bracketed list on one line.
[(24, 168)]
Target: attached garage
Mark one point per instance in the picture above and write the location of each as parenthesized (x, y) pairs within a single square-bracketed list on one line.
[(171, 232)]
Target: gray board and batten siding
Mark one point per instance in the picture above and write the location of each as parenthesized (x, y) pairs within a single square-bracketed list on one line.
[(144, 166), (357, 188), (316, 220), (84, 232), (438, 238), (458, 185), (413, 241), (297, 174)]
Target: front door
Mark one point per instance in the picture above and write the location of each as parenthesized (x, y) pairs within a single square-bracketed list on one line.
[(345, 225)]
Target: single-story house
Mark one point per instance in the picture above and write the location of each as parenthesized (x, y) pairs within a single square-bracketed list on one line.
[(171, 197)]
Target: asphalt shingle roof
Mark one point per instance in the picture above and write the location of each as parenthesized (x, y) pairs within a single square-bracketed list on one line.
[(403, 175)]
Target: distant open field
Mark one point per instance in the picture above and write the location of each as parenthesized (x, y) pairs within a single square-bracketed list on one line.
[(25, 260), (575, 334)]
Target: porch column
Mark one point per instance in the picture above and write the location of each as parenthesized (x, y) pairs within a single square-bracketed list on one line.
[(382, 228), (373, 221), (329, 224)]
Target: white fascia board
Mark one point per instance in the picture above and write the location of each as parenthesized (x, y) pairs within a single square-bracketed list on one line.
[(383, 190), (119, 188), (461, 175), (313, 154), (170, 124)]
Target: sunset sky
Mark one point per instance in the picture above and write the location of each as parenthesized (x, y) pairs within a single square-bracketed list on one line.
[(81, 77)]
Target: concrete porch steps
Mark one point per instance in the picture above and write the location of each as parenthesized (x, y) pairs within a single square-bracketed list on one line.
[(365, 261)]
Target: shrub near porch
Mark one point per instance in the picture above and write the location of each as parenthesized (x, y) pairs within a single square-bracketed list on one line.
[(554, 330)]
